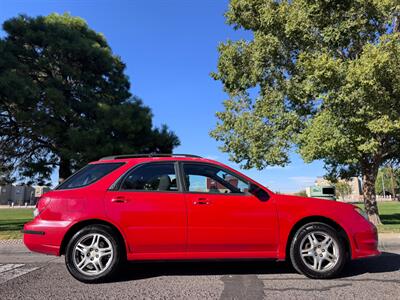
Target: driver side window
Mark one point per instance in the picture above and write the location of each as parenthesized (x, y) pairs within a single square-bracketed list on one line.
[(204, 178)]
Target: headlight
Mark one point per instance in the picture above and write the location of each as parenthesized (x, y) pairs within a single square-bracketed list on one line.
[(361, 212)]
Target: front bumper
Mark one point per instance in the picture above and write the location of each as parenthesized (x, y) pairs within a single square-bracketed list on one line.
[(44, 236), (365, 243)]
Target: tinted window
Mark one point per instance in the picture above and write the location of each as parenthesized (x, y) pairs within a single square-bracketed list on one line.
[(151, 177), (88, 175), (211, 179)]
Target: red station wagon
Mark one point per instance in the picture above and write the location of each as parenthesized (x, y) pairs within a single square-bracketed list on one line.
[(184, 207)]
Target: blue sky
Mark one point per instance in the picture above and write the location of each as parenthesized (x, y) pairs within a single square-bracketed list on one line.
[(170, 49)]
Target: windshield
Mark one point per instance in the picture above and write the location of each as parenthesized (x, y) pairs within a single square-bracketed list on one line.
[(88, 175)]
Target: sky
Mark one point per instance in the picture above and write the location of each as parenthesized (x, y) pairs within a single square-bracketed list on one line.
[(170, 49)]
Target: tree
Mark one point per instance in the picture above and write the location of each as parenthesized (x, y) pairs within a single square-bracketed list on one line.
[(301, 193), (6, 176), (387, 181), (65, 100), (320, 77), (342, 189)]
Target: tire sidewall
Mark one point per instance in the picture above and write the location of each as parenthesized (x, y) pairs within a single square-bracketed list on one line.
[(295, 254), (115, 263)]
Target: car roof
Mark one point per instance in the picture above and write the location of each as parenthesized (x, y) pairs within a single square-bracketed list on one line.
[(138, 158)]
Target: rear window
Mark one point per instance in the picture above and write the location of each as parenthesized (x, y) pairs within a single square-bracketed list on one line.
[(88, 175)]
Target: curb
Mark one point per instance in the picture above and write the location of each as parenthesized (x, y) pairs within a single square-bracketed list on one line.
[(389, 240)]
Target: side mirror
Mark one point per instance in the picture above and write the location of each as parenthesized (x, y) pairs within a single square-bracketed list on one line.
[(258, 192)]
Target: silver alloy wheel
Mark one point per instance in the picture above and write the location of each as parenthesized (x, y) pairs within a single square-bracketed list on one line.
[(319, 251), (93, 254)]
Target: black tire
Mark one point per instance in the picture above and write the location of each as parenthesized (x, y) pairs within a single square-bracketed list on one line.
[(299, 263), (113, 265)]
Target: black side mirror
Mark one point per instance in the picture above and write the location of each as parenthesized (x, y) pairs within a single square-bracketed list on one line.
[(258, 192)]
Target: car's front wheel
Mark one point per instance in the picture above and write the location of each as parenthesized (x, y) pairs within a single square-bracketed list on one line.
[(93, 254), (318, 251)]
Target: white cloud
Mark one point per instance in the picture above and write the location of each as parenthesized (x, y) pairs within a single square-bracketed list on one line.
[(303, 180)]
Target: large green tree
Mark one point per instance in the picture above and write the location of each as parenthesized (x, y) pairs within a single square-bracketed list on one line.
[(318, 76), (388, 181), (342, 189), (65, 100)]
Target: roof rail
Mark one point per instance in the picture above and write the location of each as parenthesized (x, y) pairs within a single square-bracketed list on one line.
[(122, 156)]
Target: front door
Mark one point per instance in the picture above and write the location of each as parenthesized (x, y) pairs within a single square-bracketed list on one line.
[(150, 209), (223, 216)]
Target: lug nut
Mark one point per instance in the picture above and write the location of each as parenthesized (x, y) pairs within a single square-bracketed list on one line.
[(323, 250), (321, 255), (97, 255), (91, 258), (97, 250)]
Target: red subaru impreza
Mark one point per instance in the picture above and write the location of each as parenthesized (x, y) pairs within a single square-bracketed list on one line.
[(147, 207)]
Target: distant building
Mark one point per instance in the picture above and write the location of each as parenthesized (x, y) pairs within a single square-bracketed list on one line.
[(353, 182), (21, 194)]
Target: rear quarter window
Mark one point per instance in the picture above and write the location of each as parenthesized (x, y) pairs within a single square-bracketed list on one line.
[(88, 175)]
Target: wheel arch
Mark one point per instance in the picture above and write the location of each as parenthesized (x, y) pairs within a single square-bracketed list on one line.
[(318, 219), (83, 223)]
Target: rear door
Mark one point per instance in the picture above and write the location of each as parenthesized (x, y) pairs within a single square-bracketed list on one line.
[(150, 208)]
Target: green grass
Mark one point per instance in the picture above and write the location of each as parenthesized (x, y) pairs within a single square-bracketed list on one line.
[(12, 220), (390, 216)]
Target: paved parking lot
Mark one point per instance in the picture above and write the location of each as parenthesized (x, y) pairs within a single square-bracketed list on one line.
[(25, 275)]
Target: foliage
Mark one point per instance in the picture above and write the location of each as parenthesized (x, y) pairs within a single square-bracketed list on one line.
[(391, 181), (301, 193), (318, 76), (342, 189), (65, 100)]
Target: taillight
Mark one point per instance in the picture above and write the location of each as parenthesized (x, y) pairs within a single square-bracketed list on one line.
[(42, 203)]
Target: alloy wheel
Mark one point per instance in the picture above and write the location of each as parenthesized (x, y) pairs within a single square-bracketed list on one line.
[(93, 254)]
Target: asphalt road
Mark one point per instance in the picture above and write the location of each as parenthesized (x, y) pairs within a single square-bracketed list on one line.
[(25, 275)]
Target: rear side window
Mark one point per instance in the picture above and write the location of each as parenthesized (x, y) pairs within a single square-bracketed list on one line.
[(88, 175), (151, 177)]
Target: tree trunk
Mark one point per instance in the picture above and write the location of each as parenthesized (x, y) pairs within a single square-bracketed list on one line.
[(65, 170), (369, 194), (392, 181)]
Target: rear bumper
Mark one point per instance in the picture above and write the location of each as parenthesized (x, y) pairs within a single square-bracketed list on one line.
[(44, 236)]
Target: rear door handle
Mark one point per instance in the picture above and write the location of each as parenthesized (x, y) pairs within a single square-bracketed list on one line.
[(119, 200)]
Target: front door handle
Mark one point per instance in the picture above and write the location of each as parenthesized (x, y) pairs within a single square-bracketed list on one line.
[(202, 201), (119, 199)]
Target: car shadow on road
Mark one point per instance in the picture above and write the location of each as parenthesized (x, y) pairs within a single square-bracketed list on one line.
[(387, 262)]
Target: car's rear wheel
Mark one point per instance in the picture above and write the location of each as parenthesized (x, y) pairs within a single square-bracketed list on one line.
[(318, 251), (93, 254)]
